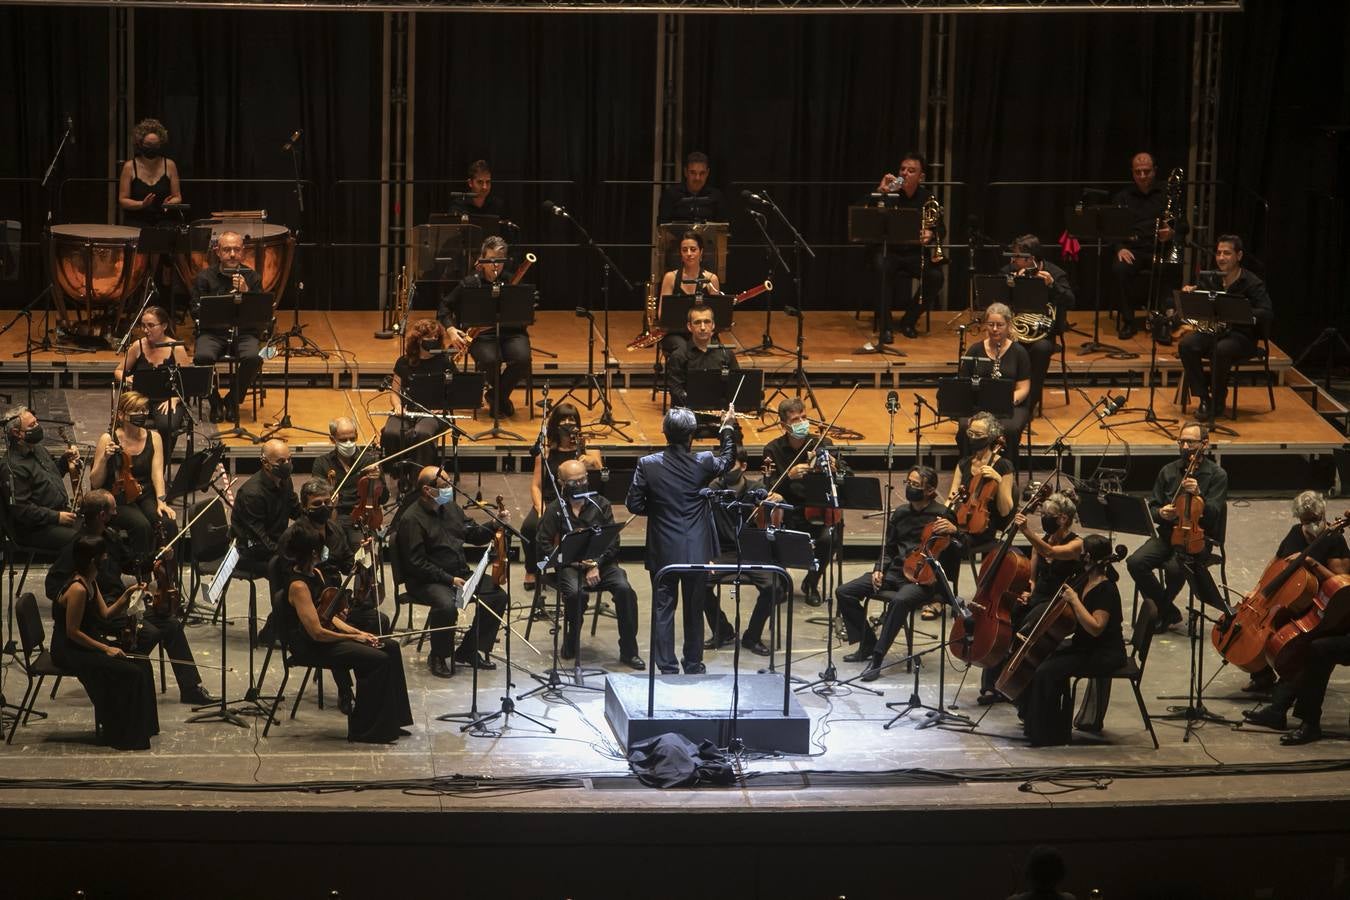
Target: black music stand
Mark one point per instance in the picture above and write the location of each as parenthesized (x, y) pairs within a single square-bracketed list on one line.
[(582, 543), (236, 313), (961, 396), (1100, 225), (710, 390), (1212, 309), (1112, 513), (446, 393), (885, 226), (496, 306)]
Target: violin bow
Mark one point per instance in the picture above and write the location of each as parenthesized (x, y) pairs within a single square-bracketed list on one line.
[(784, 474)]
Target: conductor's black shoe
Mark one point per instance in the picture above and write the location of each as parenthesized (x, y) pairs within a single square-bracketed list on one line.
[(909, 332), (862, 654), (196, 695), (1303, 734), (634, 662), (872, 672), (438, 666), (569, 651), (345, 702), (812, 593), (1266, 717), (755, 647), (696, 669)]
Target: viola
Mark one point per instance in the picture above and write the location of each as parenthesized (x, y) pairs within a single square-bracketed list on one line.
[(501, 566), (916, 566), (371, 493), (1287, 589), (1004, 576), (335, 602), (1057, 621), (972, 515), (1187, 535), (165, 598), (126, 487), (1328, 614)]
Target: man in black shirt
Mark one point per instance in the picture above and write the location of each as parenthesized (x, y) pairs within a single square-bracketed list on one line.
[(343, 467), (1134, 255), (1027, 262), (903, 263), (263, 507), (699, 356), (430, 547), (1210, 483), (38, 503), (903, 534), (1230, 344), (787, 465), (585, 510), (693, 200), (504, 357), (480, 185), (97, 509), (228, 276)]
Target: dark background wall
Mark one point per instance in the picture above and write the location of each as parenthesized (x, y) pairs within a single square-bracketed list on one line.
[(561, 104)]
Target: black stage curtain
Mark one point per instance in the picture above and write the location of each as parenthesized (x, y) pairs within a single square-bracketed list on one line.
[(561, 103)]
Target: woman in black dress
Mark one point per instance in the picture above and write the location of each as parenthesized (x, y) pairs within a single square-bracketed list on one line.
[(424, 356), (1006, 359), (565, 442), (133, 442), (122, 689), (691, 269), (1096, 647), (381, 709), (149, 179), (167, 414)]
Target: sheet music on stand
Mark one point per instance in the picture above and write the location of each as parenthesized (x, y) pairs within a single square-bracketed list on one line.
[(470, 586), (223, 573)]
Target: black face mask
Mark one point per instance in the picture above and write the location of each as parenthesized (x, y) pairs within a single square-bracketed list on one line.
[(140, 420), (1050, 524), (282, 469), (978, 444), (432, 346), (572, 488), (33, 436), (152, 152), (319, 514), (914, 494)]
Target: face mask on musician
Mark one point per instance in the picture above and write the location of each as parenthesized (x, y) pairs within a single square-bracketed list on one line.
[(281, 469), (444, 495), (319, 514), (152, 151), (346, 449), (977, 444), (1050, 524), (33, 436), (800, 429), (580, 486), (140, 420), (1315, 529), (914, 493), (431, 346)]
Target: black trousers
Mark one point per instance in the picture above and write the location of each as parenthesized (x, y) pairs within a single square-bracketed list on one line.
[(167, 632), (850, 597), (1155, 554), (400, 432), (381, 707), (529, 529), (370, 620), (769, 591), (665, 597), (1046, 704), (900, 271), (52, 538), (138, 521), (1222, 352), (508, 354), (169, 424), (1041, 353), (1307, 690), (212, 345), (441, 598), (613, 580)]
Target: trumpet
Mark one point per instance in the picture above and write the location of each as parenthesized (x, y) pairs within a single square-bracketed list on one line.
[(932, 215)]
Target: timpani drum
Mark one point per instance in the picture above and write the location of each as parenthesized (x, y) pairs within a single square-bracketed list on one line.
[(268, 248), (95, 270)]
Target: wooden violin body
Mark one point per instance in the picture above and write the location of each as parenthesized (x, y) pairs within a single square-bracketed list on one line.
[(501, 570), (972, 513), (1187, 535), (371, 493), (916, 567)]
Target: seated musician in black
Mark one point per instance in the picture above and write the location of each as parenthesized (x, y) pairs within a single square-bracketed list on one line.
[(1305, 690), (903, 534), (988, 459), (788, 459), (430, 545), (1056, 556), (381, 711), (1027, 262), (565, 441), (157, 628), (728, 520), (601, 574), (263, 507), (903, 264), (38, 503), (1096, 647), (700, 355), (122, 689), (133, 447), (690, 279), (997, 355), (503, 355), (693, 200), (1134, 256), (484, 202), (228, 275), (427, 355), (1231, 343), (343, 467), (168, 414), (1210, 483)]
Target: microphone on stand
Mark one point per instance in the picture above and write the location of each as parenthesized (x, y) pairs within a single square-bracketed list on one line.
[(893, 402), (70, 129), (294, 139), (752, 197), (550, 206)]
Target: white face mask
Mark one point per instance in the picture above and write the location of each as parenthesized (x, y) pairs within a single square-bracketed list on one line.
[(347, 449)]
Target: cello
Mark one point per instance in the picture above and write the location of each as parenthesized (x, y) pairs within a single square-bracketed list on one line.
[(1004, 576), (972, 514), (1056, 623), (1287, 589), (1327, 615), (1187, 535)]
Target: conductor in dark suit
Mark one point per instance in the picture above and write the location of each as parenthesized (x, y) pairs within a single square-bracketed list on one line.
[(680, 530)]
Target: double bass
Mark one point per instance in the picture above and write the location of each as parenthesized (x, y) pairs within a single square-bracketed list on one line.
[(1004, 576), (1056, 623), (1287, 590)]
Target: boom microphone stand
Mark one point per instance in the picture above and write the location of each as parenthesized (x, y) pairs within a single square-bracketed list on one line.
[(771, 254)]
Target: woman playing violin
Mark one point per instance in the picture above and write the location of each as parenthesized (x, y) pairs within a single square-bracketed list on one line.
[(565, 441), (122, 689), (149, 354), (1096, 647), (129, 461), (381, 709)]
